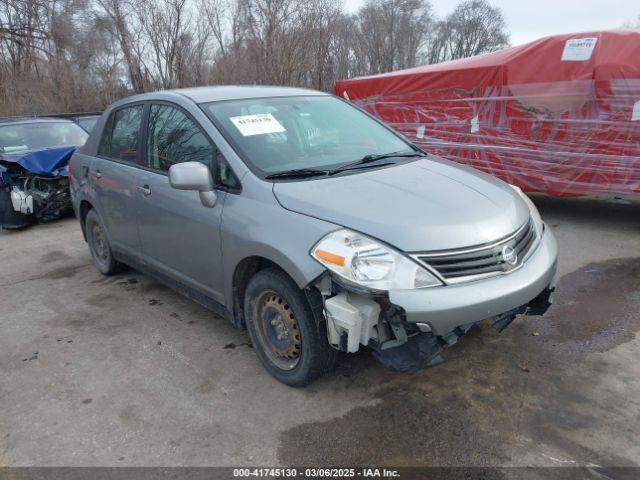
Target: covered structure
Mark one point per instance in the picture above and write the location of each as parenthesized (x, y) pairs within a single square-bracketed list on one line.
[(560, 115)]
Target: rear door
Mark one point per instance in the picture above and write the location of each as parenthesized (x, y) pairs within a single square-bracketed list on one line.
[(115, 176), (180, 237)]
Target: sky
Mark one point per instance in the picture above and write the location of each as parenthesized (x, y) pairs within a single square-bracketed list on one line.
[(528, 20)]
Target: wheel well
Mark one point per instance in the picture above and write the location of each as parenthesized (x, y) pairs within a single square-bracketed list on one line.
[(85, 206), (246, 269)]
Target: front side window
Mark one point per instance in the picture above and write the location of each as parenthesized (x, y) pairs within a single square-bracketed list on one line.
[(280, 134), (224, 175), (175, 138), (27, 137), (120, 137)]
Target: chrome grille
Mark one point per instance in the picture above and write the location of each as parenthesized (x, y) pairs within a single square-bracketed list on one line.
[(486, 260)]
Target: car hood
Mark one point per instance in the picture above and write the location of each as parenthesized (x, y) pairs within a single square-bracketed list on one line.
[(428, 204), (49, 162)]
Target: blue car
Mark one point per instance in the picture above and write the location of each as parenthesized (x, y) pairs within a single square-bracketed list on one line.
[(34, 153)]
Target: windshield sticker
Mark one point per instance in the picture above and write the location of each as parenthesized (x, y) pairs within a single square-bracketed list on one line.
[(257, 124), (578, 49)]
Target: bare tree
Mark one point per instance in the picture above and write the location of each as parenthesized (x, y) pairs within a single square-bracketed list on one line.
[(392, 33), (166, 24), (194, 54), (121, 13), (46, 55), (474, 27), (218, 14), (62, 55), (22, 32)]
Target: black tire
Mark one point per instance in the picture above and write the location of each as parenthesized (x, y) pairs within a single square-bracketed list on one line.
[(99, 246), (272, 296)]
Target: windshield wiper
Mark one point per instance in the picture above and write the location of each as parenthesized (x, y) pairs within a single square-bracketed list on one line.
[(373, 158), (361, 163), (297, 173)]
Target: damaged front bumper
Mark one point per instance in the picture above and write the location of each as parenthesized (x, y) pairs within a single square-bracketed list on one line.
[(445, 308), (425, 348), (408, 329)]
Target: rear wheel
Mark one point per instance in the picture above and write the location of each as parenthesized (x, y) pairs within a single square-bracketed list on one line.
[(99, 247), (283, 329)]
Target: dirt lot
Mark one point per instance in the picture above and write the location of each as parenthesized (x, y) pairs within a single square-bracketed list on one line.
[(122, 371)]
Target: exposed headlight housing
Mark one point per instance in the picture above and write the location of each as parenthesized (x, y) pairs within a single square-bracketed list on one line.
[(368, 263), (535, 215)]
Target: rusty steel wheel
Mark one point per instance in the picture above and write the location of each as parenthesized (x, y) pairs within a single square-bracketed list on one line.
[(284, 330), (277, 330), (99, 245)]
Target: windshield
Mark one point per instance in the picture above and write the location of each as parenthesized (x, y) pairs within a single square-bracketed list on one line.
[(26, 137), (316, 132)]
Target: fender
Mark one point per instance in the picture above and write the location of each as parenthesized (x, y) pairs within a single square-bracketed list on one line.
[(261, 227)]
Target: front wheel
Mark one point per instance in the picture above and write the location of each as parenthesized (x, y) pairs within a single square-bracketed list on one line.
[(283, 329)]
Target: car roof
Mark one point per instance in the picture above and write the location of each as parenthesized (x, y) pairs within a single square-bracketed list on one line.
[(226, 92), (24, 120), (235, 92)]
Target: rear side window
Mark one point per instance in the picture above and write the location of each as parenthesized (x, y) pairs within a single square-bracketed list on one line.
[(120, 137), (175, 138)]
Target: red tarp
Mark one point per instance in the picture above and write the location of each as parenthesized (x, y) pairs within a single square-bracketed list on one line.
[(560, 115)]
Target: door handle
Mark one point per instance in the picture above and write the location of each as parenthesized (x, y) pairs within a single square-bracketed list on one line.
[(97, 174), (145, 190)]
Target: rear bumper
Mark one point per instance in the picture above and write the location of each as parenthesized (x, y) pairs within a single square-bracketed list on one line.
[(445, 308)]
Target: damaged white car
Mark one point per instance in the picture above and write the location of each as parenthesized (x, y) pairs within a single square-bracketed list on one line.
[(310, 223)]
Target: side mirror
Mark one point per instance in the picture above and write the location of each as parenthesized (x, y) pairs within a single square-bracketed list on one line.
[(193, 176)]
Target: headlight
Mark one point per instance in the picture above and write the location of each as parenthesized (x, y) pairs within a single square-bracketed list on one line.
[(368, 263), (535, 215)]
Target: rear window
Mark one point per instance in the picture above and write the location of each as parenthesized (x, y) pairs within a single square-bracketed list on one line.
[(120, 136), (27, 137)]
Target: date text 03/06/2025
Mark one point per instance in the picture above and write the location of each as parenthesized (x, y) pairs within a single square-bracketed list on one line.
[(316, 472)]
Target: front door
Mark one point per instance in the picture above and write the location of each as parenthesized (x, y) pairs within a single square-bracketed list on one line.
[(180, 237)]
